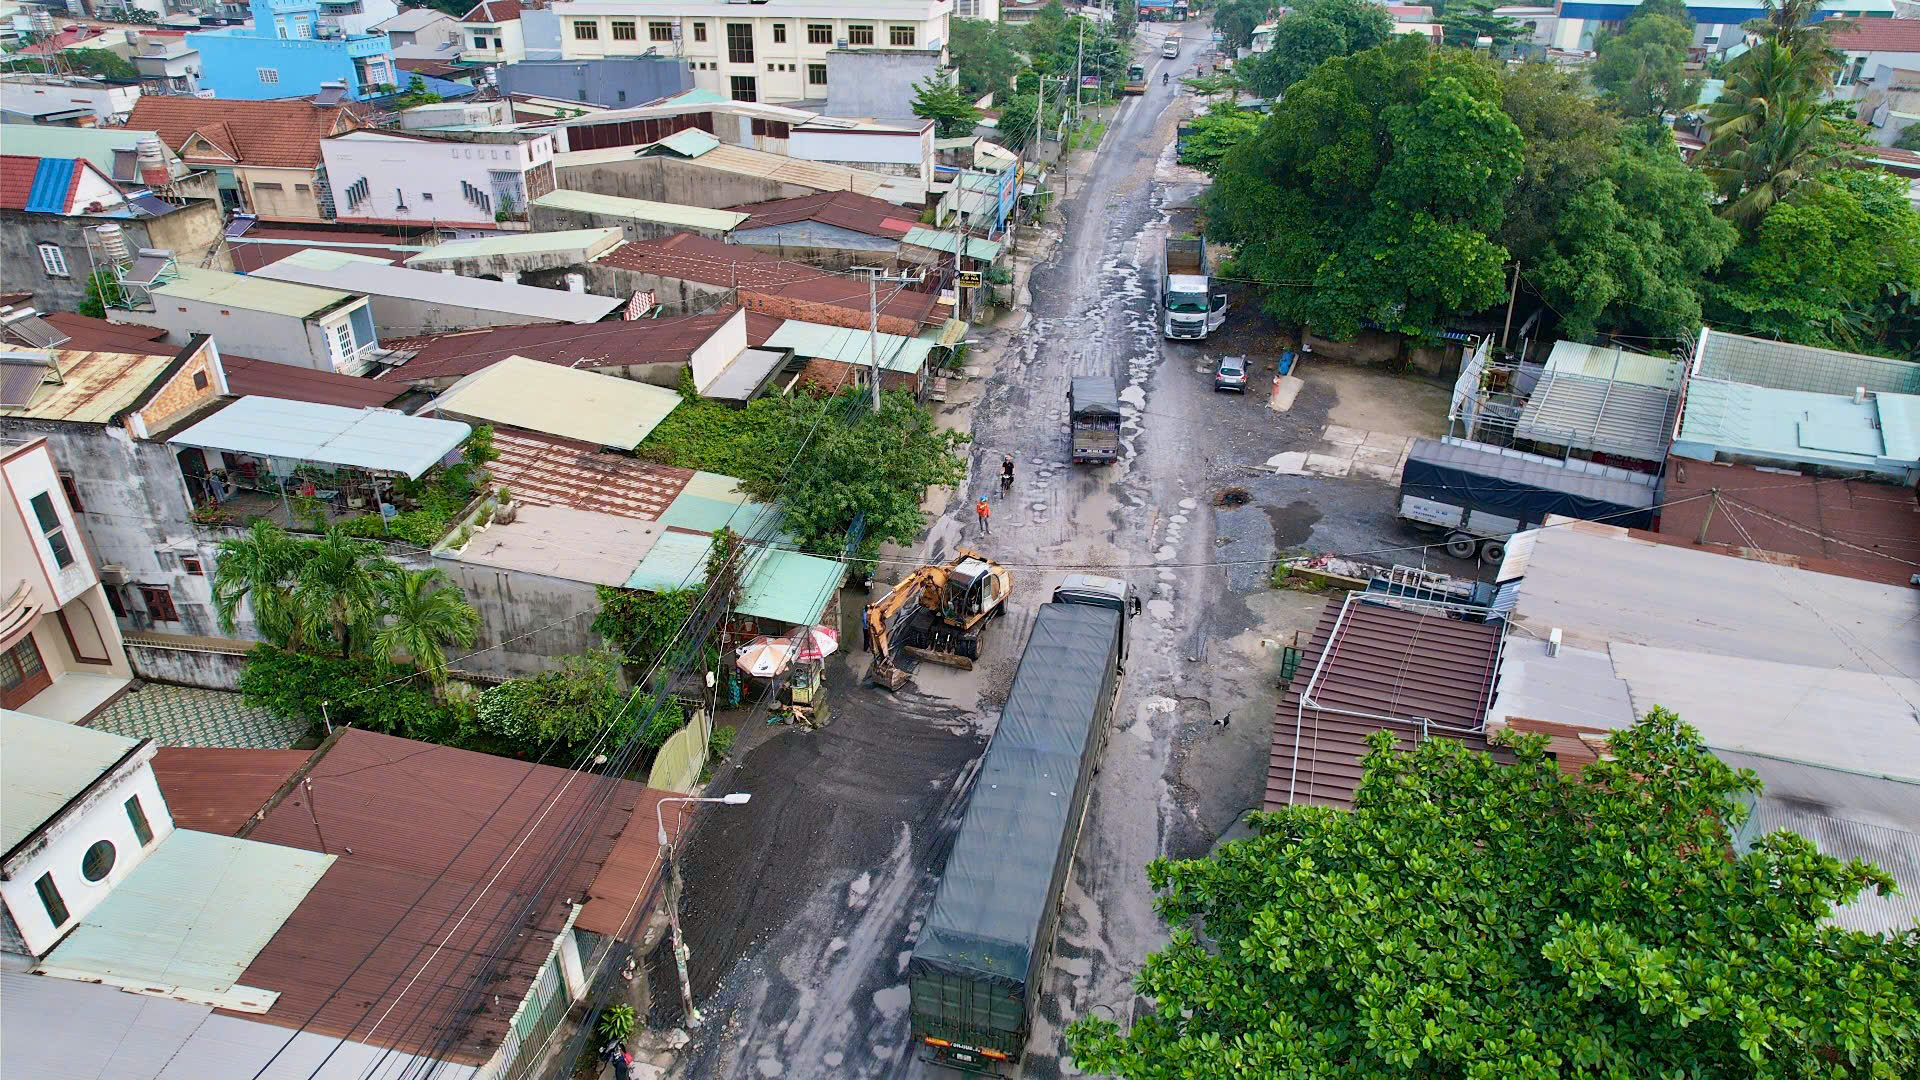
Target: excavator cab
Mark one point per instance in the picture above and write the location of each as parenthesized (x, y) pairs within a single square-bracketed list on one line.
[(966, 594)]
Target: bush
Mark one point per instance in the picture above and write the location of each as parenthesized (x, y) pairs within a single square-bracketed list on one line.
[(616, 1023), (667, 718), (721, 744), (641, 624), (371, 694), (555, 714), (421, 528)]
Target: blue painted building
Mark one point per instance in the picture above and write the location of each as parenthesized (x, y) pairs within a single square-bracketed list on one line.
[(292, 49), (1717, 23)]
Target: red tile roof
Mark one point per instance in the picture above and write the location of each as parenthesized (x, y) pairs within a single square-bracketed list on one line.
[(1384, 662), (548, 471), (860, 213), (264, 378), (689, 257), (496, 11), (1877, 35), (448, 847), (1855, 527), (591, 345), (218, 790), (284, 134)]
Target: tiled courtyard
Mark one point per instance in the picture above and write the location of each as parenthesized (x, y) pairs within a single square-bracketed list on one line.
[(182, 716)]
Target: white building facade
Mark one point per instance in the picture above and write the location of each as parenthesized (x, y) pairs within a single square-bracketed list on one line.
[(397, 177), (769, 52)]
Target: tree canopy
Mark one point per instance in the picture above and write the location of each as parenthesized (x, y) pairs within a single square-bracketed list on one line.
[(1476, 919), (1371, 193), (1315, 31), (984, 57), (1235, 20), (1214, 133), (1465, 22), (1836, 266), (951, 111), (1642, 67)]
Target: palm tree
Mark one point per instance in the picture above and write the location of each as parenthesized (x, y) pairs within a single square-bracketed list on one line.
[(338, 587), (259, 566), (1770, 131), (424, 613)]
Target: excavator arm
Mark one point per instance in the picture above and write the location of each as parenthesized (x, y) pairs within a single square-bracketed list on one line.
[(885, 615)]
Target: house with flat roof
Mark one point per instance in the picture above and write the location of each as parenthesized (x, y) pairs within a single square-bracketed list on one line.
[(405, 301), (294, 48), (328, 869), (286, 322), (585, 406), (457, 178), (694, 168)]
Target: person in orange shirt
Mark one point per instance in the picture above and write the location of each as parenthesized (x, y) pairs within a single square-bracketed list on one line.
[(984, 512)]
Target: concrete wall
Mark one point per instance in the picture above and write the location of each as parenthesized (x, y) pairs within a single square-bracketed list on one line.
[(188, 232), (832, 376), (680, 296), (543, 620), (616, 83), (280, 194), (187, 667), (439, 180), (671, 180), (1378, 349), (547, 219), (263, 335), (875, 82), (399, 316)]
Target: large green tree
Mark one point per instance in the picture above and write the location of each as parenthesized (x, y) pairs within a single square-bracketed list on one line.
[(1466, 22), (951, 111), (1315, 31), (259, 568), (1236, 19), (339, 589), (1568, 143), (1642, 68), (1837, 266), (1372, 192), (984, 56), (1630, 249), (421, 613), (1475, 919), (1214, 133)]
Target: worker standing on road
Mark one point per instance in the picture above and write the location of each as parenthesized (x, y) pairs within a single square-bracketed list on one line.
[(983, 511), (1006, 473)]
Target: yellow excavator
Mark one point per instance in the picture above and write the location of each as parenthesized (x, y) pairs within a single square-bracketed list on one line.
[(935, 613)]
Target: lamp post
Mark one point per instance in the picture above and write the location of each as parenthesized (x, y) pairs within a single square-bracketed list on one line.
[(674, 889)]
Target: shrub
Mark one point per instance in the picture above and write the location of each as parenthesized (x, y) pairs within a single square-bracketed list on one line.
[(556, 713), (371, 694), (721, 744), (421, 528), (616, 1022), (667, 718)]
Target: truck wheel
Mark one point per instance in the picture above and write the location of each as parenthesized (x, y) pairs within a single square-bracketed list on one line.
[(1494, 550), (1460, 545)]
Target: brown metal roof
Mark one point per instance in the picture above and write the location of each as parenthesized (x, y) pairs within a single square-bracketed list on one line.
[(1392, 664), (217, 789), (845, 209), (98, 335), (549, 471), (1857, 528), (433, 833), (621, 894), (263, 378), (689, 257), (591, 345)]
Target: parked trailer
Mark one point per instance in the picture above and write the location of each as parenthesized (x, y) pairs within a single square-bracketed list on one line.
[(985, 950), (1480, 495)]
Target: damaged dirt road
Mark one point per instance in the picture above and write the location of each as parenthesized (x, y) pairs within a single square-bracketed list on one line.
[(802, 907)]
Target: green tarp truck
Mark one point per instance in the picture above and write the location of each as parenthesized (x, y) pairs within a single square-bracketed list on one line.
[(980, 963)]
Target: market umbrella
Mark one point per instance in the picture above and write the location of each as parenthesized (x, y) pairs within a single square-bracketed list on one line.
[(764, 657), (817, 642)]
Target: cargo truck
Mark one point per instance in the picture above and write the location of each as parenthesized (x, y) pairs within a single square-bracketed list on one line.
[(983, 954), (1191, 305), (1094, 411), (1170, 48), (1479, 495)]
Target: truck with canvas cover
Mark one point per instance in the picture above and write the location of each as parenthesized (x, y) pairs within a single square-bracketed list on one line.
[(977, 968), (1191, 304), (1094, 411), (1480, 495)]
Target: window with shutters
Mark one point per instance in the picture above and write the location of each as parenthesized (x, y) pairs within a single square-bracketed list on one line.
[(53, 260), (159, 602), (52, 528), (137, 817), (859, 35), (900, 36), (744, 88), (819, 33), (586, 31), (816, 74), (659, 31), (740, 45), (625, 30), (50, 899)]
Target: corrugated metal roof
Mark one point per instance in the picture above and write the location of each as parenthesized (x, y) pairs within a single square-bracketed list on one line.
[(337, 269), (1600, 362), (153, 929), (548, 471), (55, 1027), (1785, 366), (789, 586), (618, 895), (813, 174), (219, 789), (1394, 664), (252, 293), (686, 217), (564, 543), (843, 209), (711, 500), (588, 242), (1611, 417), (268, 379), (43, 765), (96, 145), (1848, 815), (677, 560), (430, 826), (940, 240), (816, 341), (1790, 426), (567, 402), (375, 439), (94, 386), (689, 141)]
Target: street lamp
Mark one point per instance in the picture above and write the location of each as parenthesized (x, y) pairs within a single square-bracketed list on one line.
[(675, 887)]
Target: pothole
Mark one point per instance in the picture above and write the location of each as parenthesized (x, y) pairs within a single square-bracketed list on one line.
[(1232, 497)]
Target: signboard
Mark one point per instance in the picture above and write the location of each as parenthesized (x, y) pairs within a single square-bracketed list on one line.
[(1090, 82), (639, 305), (969, 279)]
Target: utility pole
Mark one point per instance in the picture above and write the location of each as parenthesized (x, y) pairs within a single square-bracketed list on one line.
[(1713, 503), (960, 246), (1513, 293), (1079, 69), (875, 275)]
